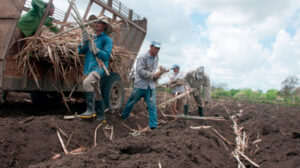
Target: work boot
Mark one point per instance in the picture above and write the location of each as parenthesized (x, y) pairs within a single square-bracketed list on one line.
[(90, 106), (186, 109), (200, 110), (100, 111)]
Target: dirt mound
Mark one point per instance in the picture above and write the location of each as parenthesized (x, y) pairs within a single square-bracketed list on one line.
[(173, 144), (29, 137)]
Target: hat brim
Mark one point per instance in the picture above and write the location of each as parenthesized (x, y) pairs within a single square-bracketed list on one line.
[(108, 30)]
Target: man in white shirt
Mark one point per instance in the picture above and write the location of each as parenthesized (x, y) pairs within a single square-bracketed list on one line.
[(176, 84)]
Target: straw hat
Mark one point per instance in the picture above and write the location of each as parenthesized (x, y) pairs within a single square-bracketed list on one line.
[(105, 20)]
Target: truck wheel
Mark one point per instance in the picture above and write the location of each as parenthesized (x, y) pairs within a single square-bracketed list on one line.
[(112, 90)]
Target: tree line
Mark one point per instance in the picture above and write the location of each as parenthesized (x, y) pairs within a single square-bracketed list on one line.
[(288, 94)]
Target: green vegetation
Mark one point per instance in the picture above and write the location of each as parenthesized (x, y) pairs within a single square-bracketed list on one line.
[(271, 96), (289, 93)]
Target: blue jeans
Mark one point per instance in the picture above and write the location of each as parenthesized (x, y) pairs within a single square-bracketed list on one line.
[(149, 96)]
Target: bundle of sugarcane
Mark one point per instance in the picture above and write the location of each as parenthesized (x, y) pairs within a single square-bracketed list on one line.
[(121, 61), (161, 71), (60, 53)]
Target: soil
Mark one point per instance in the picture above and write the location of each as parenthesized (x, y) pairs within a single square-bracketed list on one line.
[(28, 136)]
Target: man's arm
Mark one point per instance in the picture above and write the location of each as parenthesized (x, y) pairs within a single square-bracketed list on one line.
[(104, 54), (207, 89), (82, 48), (141, 69), (186, 79), (51, 26)]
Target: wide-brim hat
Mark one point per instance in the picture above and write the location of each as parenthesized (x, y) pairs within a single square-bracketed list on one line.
[(105, 20)]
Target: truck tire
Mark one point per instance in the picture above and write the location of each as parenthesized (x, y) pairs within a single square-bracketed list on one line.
[(112, 90)]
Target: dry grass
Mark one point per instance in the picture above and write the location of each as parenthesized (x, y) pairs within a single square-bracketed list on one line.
[(59, 55)]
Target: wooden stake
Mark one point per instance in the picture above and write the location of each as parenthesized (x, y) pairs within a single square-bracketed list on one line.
[(64, 99), (127, 127), (62, 143), (70, 117), (69, 139), (246, 157), (207, 127), (78, 151), (112, 133), (64, 134), (200, 127), (227, 141), (177, 97), (236, 156), (197, 117), (95, 134), (26, 120)]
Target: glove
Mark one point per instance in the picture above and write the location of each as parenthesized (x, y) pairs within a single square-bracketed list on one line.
[(95, 50), (156, 76), (85, 38)]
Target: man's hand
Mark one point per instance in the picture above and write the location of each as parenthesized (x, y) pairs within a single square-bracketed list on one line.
[(156, 76), (85, 38), (160, 72), (93, 48)]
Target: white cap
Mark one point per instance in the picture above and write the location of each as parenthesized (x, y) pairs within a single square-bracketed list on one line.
[(156, 44)]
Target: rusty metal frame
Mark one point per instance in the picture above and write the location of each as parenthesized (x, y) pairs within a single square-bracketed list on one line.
[(87, 9), (66, 18), (119, 15)]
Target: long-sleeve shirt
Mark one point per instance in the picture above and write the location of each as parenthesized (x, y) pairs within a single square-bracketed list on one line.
[(191, 81), (104, 43), (146, 66), (177, 77), (29, 23)]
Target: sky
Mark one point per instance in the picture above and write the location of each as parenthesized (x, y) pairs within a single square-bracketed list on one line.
[(243, 43)]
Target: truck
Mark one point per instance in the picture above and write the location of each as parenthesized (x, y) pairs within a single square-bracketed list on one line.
[(133, 28)]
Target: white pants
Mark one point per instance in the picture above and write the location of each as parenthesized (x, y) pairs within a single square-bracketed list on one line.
[(92, 84)]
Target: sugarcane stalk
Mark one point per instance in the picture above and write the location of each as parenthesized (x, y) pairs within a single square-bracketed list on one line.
[(247, 158), (197, 117), (84, 24), (177, 97), (62, 143), (95, 134)]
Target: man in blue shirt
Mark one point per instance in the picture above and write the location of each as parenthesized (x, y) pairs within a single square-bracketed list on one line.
[(92, 71), (144, 84)]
